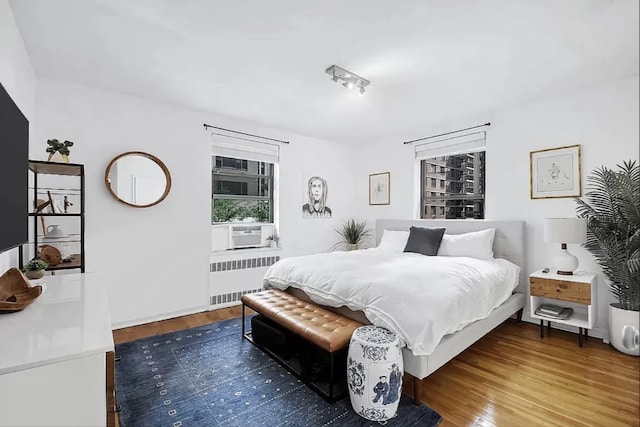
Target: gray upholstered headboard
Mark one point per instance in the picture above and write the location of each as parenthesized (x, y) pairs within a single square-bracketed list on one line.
[(508, 243)]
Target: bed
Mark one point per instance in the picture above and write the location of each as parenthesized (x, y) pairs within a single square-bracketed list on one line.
[(420, 359)]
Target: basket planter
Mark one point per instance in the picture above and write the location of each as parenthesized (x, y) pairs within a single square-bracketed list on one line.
[(34, 274)]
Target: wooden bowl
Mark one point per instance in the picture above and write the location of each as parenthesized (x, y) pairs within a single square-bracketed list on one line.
[(15, 292)]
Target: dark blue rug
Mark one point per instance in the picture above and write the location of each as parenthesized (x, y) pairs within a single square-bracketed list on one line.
[(210, 376)]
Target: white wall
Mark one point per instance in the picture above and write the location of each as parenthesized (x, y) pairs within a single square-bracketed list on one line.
[(603, 119), (18, 78), (160, 255)]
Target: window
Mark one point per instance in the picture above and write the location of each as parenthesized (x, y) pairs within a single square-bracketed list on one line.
[(460, 161), (434, 168), (242, 190), (463, 195)]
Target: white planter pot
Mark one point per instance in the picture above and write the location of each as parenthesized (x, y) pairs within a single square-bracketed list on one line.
[(374, 373), (624, 330)]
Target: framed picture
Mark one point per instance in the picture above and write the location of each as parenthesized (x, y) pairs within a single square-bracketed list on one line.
[(555, 172), (379, 191), (315, 192)]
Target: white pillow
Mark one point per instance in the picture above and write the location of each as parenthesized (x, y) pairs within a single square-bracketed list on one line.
[(478, 244), (393, 240)]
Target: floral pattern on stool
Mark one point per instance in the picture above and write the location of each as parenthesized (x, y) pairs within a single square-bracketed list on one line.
[(374, 373)]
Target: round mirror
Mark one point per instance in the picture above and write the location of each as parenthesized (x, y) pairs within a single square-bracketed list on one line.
[(138, 179)]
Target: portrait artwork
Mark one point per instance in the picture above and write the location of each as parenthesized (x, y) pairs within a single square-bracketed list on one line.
[(314, 199)]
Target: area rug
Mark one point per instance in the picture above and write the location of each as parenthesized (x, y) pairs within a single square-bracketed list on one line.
[(210, 376)]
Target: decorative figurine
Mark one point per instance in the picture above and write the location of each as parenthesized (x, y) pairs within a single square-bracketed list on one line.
[(67, 203)]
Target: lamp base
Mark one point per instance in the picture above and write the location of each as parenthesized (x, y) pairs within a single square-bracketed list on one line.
[(566, 263), (565, 273)]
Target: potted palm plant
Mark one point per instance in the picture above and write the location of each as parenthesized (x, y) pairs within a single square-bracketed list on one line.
[(612, 210), (352, 234)]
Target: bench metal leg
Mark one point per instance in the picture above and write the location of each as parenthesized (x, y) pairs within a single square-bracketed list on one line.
[(332, 358)]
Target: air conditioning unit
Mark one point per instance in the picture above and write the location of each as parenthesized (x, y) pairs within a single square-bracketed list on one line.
[(245, 236)]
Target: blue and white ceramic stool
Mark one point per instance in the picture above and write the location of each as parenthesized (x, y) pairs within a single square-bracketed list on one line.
[(374, 373)]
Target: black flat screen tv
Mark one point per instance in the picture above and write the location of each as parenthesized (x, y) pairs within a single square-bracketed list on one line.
[(14, 158)]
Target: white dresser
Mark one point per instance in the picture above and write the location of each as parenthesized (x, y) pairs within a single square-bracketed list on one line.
[(56, 356)]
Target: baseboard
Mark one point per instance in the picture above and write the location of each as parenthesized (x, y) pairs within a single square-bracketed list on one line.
[(159, 317)]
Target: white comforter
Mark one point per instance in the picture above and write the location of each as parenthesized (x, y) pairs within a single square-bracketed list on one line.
[(421, 298)]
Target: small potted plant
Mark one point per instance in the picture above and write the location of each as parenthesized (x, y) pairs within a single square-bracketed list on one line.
[(273, 240), (352, 234), (61, 148), (34, 269)]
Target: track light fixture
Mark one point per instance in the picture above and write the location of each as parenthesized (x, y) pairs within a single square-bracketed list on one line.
[(348, 79)]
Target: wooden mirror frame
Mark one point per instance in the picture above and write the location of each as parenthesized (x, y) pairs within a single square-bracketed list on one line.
[(150, 157)]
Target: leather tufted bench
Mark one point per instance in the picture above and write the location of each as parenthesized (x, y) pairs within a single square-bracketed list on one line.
[(325, 329)]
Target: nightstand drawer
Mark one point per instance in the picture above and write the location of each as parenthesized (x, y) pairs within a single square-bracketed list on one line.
[(561, 290)]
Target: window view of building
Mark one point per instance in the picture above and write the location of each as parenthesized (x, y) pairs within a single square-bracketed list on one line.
[(242, 190), (460, 193)]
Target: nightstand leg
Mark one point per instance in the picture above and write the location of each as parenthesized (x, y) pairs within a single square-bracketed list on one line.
[(541, 328), (586, 334), (580, 337)]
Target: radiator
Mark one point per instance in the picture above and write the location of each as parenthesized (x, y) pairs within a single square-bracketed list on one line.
[(230, 279)]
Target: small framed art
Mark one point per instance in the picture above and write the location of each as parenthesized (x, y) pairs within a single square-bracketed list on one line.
[(555, 172), (379, 188)]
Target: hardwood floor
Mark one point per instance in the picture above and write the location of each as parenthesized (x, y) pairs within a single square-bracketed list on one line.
[(511, 377)]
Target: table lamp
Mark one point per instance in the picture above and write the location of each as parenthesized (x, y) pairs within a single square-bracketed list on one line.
[(563, 231)]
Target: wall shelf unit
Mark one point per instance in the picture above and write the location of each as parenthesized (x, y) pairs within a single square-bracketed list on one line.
[(61, 223)]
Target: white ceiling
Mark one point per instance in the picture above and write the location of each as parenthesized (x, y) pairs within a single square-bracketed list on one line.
[(428, 61)]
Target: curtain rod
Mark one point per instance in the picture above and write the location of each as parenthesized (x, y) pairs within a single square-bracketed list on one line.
[(247, 134), (447, 133)]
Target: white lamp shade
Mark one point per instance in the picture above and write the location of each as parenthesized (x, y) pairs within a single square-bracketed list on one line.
[(565, 230)]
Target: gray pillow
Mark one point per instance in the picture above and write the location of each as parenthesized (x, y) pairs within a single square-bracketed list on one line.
[(425, 241)]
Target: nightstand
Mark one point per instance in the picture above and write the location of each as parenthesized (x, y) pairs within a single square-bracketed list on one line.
[(578, 289)]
